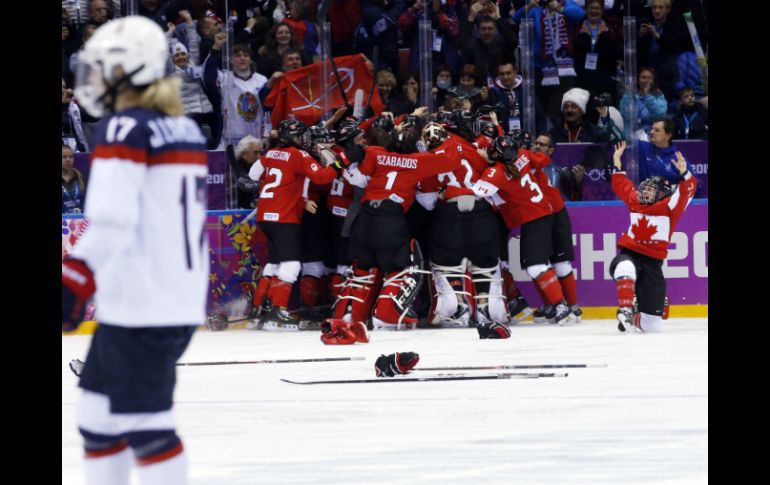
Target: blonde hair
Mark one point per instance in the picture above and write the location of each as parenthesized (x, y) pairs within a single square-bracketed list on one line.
[(385, 76), (164, 95)]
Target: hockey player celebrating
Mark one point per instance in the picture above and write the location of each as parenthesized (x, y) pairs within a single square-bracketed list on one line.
[(279, 214), (522, 203), (379, 237), (144, 256), (464, 226), (638, 268)]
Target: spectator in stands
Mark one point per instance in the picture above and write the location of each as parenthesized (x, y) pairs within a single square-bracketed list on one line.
[(298, 15), (406, 98), (72, 133), (655, 155), (279, 40), (98, 13), (650, 102), (446, 33), (554, 64), (255, 31), (691, 119), (86, 32), (606, 117), (598, 47), (574, 127), (70, 43), (207, 28), (441, 83), (470, 88), (507, 90), (194, 99), (379, 22), (661, 40), (73, 187), (495, 43), (246, 153), (688, 76), (344, 17), (242, 105), (386, 83), (154, 10)]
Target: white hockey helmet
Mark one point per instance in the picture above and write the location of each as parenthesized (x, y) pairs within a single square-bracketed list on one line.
[(128, 50)]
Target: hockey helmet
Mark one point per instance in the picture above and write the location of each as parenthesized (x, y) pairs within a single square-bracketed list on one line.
[(130, 51), (294, 133), (653, 189)]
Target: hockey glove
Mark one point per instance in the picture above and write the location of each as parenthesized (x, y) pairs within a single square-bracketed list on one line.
[(335, 331), (493, 330), (398, 363), (77, 286)]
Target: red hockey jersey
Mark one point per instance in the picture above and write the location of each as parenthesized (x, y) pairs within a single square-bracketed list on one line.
[(652, 224), (285, 169), (519, 199), (395, 176), (553, 194)]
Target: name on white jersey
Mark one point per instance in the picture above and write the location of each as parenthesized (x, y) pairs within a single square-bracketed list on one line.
[(521, 162), (393, 161), (278, 154), (180, 129)]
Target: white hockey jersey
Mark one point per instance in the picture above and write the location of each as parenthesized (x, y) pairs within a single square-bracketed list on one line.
[(241, 108), (146, 205)]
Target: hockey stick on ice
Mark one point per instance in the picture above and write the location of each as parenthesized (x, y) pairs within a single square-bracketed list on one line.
[(439, 377), (502, 367), (76, 365)]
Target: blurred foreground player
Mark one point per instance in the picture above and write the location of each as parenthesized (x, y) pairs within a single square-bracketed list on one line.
[(144, 256)]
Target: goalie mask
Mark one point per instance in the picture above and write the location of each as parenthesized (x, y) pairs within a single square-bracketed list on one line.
[(433, 135), (294, 133), (654, 189), (130, 51)]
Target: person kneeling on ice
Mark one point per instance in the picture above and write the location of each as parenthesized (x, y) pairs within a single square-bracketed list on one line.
[(638, 268)]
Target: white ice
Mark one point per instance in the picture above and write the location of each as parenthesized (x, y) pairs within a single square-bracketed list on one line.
[(641, 419)]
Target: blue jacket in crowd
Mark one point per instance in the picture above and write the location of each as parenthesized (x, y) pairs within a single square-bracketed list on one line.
[(657, 161)]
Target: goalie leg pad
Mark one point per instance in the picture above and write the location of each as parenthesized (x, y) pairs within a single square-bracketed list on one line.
[(489, 286), (357, 294), (452, 294)]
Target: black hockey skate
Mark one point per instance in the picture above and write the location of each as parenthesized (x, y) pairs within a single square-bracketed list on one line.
[(625, 319), (258, 315), (280, 320), (540, 315), (558, 313)]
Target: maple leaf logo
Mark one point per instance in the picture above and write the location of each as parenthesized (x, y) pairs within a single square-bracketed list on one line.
[(643, 230)]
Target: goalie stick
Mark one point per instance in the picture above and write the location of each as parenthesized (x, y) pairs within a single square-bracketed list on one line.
[(502, 367), (76, 365), (439, 377)]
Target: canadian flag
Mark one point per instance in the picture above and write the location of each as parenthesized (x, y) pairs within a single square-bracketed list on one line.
[(299, 92)]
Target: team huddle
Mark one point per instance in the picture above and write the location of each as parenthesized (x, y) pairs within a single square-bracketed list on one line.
[(479, 184)]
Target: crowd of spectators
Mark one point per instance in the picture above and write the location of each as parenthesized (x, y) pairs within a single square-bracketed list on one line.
[(578, 59)]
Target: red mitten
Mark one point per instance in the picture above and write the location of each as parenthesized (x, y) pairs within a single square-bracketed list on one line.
[(77, 286)]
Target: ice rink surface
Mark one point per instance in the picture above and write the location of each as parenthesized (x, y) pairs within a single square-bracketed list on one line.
[(641, 419)]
